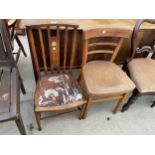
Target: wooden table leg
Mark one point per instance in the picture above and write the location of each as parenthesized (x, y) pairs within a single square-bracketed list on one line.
[(20, 125)]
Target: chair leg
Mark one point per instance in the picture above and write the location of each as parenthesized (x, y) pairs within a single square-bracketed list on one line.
[(79, 77), (20, 45), (20, 125), (23, 88), (84, 110), (120, 103), (153, 104), (18, 55), (131, 100), (22, 84), (38, 118), (79, 108)]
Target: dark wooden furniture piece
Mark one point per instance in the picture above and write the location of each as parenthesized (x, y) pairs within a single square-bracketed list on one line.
[(10, 81), (104, 80), (56, 89), (6, 57), (141, 70), (14, 37), (10, 97)]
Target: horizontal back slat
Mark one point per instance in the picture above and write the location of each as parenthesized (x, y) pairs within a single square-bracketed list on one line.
[(44, 26), (102, 44), (100, 51), (94, 33)]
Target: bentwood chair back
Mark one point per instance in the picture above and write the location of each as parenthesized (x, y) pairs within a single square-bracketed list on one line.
[(141, 70)]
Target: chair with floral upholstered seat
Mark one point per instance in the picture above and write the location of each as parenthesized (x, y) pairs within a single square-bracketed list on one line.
[(56, 89)]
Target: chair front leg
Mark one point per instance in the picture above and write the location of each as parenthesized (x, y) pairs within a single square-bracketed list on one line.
[(120, 103), (84, 110), (20, 125), (38, 118), (131, 100)]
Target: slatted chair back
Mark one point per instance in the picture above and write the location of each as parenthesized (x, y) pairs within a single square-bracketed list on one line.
[(103, 41), (134, 38), (6, 57), (46, 43)]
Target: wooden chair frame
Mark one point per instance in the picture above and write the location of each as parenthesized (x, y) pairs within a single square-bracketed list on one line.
[(95, 33), (146, 50), (51, 32), (14, 37), (10, 80), (7, 57)]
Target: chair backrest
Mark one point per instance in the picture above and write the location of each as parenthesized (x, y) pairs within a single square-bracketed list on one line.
[(134, 40), (6, 57), (51, 43), (103, 41)]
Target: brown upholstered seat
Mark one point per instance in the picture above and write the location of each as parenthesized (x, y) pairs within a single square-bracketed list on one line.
[(142, 72), (57, 91), (106, 78)]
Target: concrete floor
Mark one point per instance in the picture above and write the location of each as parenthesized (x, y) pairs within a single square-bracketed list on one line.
[(140, 119)]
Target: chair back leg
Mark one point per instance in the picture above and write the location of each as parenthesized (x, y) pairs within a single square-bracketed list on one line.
[(85, 108), (131, 100)]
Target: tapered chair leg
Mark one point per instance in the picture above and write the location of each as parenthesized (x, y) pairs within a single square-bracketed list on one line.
[(20, 125), (22, 85), (38, 118), (84, 110), (131, 100), (18, 55), (120, 103)]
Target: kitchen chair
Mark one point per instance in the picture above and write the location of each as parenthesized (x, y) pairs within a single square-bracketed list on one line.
[(141, 70), (104, 80), (14, 37), (57, 89), (10, 82)]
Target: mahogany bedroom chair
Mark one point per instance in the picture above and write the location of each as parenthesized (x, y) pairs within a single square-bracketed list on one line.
[(104, 80), (141, 70), (57, 89)]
